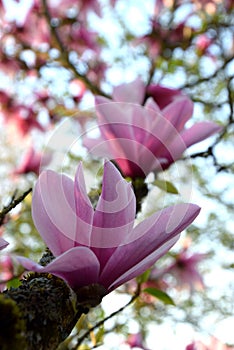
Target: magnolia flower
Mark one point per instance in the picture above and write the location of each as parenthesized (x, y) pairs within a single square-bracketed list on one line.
[(20, 119), (162, 95), (32, 162), (141, 139), (100, 246), (135, 340), (185, 270)]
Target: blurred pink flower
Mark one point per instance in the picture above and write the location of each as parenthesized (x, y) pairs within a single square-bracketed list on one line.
[(77, 37), (161, 38), (185, 270), (203, 42), (32, 162), (83, 7), (135, 340), (6, 271), (229, 5), (34, 31), (22, 119), (9, 65), (214, 344), (155, 280), (162, 95), (87, 5), (97, 70), (145, 138), (100, 245)]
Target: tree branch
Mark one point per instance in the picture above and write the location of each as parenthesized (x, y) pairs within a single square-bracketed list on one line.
[(65, 55), (13, 203), (203, 80), (100, 323), (42, 312)]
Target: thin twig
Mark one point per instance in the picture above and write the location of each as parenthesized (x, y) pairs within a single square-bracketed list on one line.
[(203, 80), (13, 203), (65, 55), (100, 323)]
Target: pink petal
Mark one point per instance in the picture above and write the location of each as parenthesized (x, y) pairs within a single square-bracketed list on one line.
[(179, 112), (125, 120), (53, 211), (148, 241), (29, 265), (151, 104), (143, 265), (133, 92), (3, 243), (162, 138), (114, 215), (84, 209), (78, 266), (117, 204), (162, 95), (132, 136), (115, 119), (199, 132), (98, 147)]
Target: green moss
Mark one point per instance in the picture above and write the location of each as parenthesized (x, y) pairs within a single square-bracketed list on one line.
[(12, 326)]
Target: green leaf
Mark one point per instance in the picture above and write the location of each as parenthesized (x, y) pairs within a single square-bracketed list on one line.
[(159, 294), (14, 283), (143, 277), (166, 186), (100, 335)]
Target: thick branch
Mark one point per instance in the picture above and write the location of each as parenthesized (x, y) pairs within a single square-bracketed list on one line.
[(42, 312)]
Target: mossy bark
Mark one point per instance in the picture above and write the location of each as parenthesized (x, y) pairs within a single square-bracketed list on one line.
[(42, 312)]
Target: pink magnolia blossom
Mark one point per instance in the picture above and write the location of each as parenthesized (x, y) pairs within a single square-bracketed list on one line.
[(9, 65), (185, 270), (162, 95), (86, 6), (100, 246), (97, 70), (203, 44), (83, 7), (34, 31), (161, 38), (135, 340), (229, 4), (145, 138), (79, 38), (32, 162), (21, 118)]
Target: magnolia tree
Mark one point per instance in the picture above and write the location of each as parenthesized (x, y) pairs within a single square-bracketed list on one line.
[(116, 174)]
